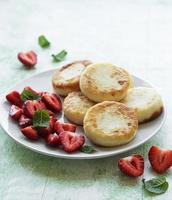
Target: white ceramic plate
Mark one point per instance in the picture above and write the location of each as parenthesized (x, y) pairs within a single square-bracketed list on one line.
[(42, 82)]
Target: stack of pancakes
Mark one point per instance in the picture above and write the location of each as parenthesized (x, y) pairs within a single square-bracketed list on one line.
[(101, 97)]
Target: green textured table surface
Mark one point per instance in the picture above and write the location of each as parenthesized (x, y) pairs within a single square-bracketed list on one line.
[(133, 34)]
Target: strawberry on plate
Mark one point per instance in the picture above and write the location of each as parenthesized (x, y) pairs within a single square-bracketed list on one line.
[(60, 127), (160, 159), (28, 59), (132, 165), (14, 98), (24, 121), (52, 102), (15, 112), (71, 141), (30, 133), (46, 131), (52, 140), (30, 106), (30, 89)]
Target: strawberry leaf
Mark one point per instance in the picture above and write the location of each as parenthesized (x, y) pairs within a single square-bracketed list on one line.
[(157, 185), (87, 149), (41, 119), (43, 42), (29, 95), (60, 56)]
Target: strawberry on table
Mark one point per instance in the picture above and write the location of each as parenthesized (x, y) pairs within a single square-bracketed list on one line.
[(52, 101), (14, 98), (71, 141), (15, 112), (132, 165), (24, 121), (160, 159), (30, 133), (29, 59), (60, 127)]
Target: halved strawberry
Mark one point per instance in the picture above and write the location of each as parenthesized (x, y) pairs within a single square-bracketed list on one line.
[(15, 112), (24, 121), (52, 101), (69, 127), (43, 132), (14, 98), (28, 59), (71, 141), (46, 131), (30, 133), (160, 159), (132, 165), (52, 140), (60, 127), (50, 112), (29, 88), (30, 106), (52, 123)]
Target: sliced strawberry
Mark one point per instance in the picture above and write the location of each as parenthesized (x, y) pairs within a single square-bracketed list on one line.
[(52, 140), (46, 131), (160, 159), (69, 127), (30, 107), (52, 101), (29, 88), (132, 165), (41, 105), (28, 59), (42, 93), (14, 98), (30, 133), (71, 141), (43, 132), (51, 113), (52, 123), (24, 121), (15, 112), (60, 127)]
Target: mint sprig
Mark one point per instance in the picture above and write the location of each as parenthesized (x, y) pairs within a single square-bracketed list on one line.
[(87, 149), (41, 119), (43, 42), (157, 185), (60, 56), (29, 95)]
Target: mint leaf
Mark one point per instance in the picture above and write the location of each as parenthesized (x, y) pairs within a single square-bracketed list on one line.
[(43, 42), (29, 95), (60, 56), (87, 149), (41, 119), (157, 185)]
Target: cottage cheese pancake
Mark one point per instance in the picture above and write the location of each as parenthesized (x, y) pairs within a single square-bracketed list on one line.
[(75, 107), (146, 101), (66, 79), (110, 124), (103, 81)]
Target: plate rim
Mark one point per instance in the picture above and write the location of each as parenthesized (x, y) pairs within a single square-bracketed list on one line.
[(74, 156)]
